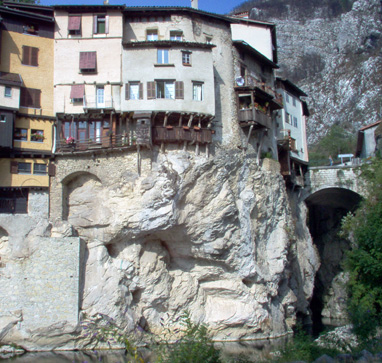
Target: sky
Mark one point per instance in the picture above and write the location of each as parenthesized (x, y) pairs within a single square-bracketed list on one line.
[(212, 6)]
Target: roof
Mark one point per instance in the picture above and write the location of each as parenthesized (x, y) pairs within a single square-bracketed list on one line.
[(133, 9), (25, 14), (10, 79), (252, 21), (245, 46), (370, 126), (292, 87), (166, 43), (78, 8)]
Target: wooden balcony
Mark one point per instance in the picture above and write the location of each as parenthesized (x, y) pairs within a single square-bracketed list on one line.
[(172, 134), (248, 116)]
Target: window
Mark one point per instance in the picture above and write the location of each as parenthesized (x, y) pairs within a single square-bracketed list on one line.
[(293, 144), (152, 35), (165, 89), (186, 58), (24, 168), (39, 169), (287, 97), (88, 62), (176, 35), (134, 91), (30, 97), (100, 94), (197, 91), (37, 135), (101, 24), (74, 25), (294, 101), (295, 121), (77, 93), (162, 56), (288, 118), (14, 201), (20, 134), (8, 91), (30, 56), (208, 40), (30, 29), (3, 118)]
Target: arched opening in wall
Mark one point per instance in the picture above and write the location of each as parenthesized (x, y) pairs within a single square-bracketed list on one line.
[(327, 207), (80, 192)]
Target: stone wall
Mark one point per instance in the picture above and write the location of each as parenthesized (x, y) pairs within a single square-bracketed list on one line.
[(41, 290)]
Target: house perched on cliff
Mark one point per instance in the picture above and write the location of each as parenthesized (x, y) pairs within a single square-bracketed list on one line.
[(369, 140), (26, 104), (291, 132)]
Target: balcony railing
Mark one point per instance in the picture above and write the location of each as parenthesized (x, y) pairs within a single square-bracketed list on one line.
[(92, 102), (248, 115), (102, 142), (174, 134)]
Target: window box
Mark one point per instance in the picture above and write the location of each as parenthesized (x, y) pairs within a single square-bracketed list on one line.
[(37, 135)]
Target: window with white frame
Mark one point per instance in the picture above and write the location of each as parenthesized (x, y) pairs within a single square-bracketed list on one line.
[(197, 91), (186, 58), (100, 24), (134, 91), (176, 35), (288, 118), (165, 89), (162, 56), (152, 34), (8, 91)]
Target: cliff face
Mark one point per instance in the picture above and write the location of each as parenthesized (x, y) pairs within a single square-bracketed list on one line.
[(335, 60), (213, 236)]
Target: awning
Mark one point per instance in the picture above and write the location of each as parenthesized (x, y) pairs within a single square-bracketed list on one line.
[(77, 91), (74, 23), (88, 60)]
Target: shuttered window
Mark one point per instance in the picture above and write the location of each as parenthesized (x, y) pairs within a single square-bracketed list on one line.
[(134, 91), (30, 56), (88, 62), (74, 25), (179, 90), (30, 97), (150, 90), (101, 24)]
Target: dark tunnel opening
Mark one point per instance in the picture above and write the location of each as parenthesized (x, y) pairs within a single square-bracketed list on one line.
[(327, 207)]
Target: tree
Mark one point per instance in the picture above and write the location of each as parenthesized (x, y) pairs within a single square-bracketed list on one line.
[(364, 260)]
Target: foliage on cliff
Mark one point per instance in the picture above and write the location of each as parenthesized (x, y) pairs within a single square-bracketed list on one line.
[(364, 261), (337, 141)]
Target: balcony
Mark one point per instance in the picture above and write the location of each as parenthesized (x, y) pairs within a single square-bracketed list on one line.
[(94, 103), (249, 116), (103, 142), (172, 134)]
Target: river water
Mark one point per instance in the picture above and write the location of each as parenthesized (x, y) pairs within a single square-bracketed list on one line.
[(251, 350)]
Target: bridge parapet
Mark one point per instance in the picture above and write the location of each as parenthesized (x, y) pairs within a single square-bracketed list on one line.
[(324, 177)]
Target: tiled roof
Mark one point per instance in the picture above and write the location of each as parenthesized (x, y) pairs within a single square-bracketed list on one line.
[(10, 79)]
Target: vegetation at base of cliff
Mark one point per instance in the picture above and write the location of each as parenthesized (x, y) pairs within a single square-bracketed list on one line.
[(364, 260), (336, 141), (302, 8)]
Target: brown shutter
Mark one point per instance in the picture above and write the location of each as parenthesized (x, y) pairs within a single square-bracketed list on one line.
[(150, 90), (88, 60), (127, 91), (179, 90), (36, 98), (74, 23), (14, 167), (26, 55), (34, 56), (140, 90), (77, 91), (51, 169)]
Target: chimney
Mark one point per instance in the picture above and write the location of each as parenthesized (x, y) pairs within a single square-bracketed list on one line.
[(194, 4), (106, 2)]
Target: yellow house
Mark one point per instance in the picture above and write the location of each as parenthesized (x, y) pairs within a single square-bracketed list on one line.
[(27, 49)]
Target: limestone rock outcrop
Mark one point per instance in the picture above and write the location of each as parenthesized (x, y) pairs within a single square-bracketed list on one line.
[(214, 236)]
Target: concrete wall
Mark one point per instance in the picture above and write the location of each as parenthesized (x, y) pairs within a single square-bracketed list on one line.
[(11, 102), (256, 35), (43, 288), (201, 70)]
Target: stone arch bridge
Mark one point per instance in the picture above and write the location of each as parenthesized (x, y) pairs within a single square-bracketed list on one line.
[(334, 186)]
